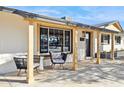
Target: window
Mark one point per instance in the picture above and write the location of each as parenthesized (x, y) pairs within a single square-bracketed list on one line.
[(117, 39), (44, 40), (105, 39), (67, 41), (55, 40)]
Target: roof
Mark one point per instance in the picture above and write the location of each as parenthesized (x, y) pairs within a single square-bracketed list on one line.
[(35, 16), (109, 23), (106, 23)]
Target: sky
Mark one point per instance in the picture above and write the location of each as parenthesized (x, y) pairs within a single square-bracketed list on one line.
[(84, 14)]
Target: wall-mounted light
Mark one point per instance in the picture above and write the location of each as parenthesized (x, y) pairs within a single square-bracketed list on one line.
[(82, 38), (83, 34)]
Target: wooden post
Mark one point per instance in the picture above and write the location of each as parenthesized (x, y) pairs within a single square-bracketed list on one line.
[(30, 76), (75, 55), (92, 47), (112, 45), (98, 47)]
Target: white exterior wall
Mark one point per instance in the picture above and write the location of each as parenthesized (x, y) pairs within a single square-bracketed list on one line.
[(81, 47), (120, 46), (107, 47), (13, 33), (13, 40)]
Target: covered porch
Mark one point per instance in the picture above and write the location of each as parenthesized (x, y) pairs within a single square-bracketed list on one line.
[(34, 27)]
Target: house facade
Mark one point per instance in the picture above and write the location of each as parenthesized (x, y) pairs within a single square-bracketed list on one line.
[(79, 40), (106, 38)]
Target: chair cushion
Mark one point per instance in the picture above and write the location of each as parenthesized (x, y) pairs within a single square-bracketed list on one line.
[(36, 65), (58, 61), (56, 55)]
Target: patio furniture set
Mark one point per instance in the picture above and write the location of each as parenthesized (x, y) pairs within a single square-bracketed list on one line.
[(56, 58)]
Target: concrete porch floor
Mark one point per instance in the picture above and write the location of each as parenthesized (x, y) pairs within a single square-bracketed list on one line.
[(89, 74)]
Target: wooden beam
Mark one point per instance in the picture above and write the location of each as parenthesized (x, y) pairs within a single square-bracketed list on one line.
[(91, 43), (61, 25), (98, 47), (118, 26), (112, 45), (30, 76), (75, 44), (51, 24)]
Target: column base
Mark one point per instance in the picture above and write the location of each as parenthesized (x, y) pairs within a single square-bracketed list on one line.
[(98, 61), (29, 81), (74, 67)]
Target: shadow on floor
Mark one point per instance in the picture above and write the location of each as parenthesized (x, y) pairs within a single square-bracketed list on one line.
[(90, 73), (86, 74), (12, 81)]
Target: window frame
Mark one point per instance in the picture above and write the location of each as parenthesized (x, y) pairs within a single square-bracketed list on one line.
[(40, 40), (108, 40), (117, 43), (70, 39), (63, 38)]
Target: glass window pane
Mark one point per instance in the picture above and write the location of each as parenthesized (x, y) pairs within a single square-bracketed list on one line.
[(105, 39), (44, 40), (55, 40), (102, 39), (117, 39), (67, 41)]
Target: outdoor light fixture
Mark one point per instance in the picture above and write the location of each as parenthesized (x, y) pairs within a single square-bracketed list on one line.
[(83, 36)]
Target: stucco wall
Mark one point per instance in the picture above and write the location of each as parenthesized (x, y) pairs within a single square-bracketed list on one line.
[(120, 46), (13, 39), (103, 47), (107, 47), (117, 46), (81, 47), (13, 33)]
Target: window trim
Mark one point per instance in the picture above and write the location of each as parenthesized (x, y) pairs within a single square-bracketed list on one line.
[(115, 40), (103, 43), (63, 38), (70, 39)]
